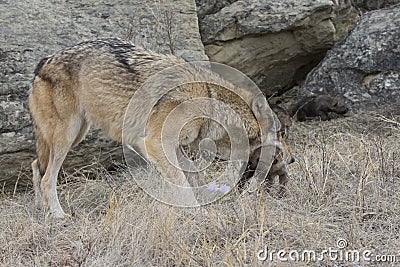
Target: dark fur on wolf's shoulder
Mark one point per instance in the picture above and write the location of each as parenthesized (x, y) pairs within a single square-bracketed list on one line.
[(40, 65), (119, 49), (319, 106)]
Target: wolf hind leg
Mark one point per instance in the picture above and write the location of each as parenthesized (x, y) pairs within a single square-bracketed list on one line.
[(64, 136), (39, 165), (36, 179), (49, 182)]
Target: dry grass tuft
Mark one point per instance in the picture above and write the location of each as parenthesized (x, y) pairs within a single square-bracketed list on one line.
[(344, 184)]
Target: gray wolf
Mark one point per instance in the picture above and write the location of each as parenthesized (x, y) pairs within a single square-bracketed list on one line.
[(92, 84), (319, 106)]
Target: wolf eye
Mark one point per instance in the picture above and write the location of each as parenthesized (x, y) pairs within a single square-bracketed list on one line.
[(336, 104)]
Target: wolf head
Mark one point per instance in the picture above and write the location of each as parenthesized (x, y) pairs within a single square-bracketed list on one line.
[(283, 156), (338, 105)]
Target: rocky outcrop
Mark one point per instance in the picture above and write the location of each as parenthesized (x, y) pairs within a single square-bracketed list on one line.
[(365, 66), (208, 7), (374, 4), (346, 16), (276, 43), (32, 29)]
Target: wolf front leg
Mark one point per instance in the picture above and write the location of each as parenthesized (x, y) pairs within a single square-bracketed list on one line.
[(176, 188), (283, 180), (323, 115)]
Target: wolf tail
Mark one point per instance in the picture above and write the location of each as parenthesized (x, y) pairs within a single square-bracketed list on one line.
[(42, 151)]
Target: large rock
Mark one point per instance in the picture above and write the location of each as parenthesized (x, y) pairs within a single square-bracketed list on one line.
[(365, 66), (374, 4), (276, 43), (346, 16), (32, 29), (208, 7)]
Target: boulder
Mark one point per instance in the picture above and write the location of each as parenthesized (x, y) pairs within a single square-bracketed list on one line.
[(365, 66), (346, 16), (207, 7), (374, 4), (32, 29), (276, 43)]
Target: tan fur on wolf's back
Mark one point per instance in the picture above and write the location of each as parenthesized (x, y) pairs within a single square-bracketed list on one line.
[(92, 83)]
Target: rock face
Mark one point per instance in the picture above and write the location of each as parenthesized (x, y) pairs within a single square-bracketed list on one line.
[(374, 4), (276, 43), (32, 29), (365, 66), (208, 7)]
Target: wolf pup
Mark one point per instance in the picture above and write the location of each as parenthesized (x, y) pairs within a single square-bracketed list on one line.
[(319, 106), (92, 84)]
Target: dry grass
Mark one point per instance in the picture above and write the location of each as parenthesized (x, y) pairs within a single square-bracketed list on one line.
[(344, 184)]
